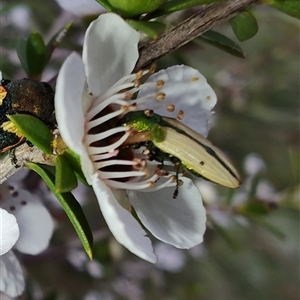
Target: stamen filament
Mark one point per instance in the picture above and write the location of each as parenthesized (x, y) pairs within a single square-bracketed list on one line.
[(106, 175), (111, 162), (101, 120), (112, 147)]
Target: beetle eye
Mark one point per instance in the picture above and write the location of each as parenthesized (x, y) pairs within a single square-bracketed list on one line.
[(5, 82)]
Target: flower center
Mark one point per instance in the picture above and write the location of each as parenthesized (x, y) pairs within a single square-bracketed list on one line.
[(121, 167)]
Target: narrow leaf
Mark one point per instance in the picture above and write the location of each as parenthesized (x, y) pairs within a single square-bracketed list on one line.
[(74, 161), (21, 48), (244, 26), (222, 42), (177, 5), (71, 207), (56, 40), (267, 225), (225, 234), (106, 5), (152, 29), (289, 7), (34, 130), (65, 178), (36, 55)]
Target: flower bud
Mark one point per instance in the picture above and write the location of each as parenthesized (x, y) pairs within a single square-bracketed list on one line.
[(130, 8)]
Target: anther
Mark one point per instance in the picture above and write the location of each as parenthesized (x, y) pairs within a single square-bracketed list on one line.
[(148, 112), (139, 74), (128, 96), (161, 172), (12, 208), (170, 107), (140, 164), (180, 115), (137, 83), (15, 194), (195, 78), (160, 96), (151, 183), (173, 178), (160, 83), (207, 97), (146, 152), (152, 69)]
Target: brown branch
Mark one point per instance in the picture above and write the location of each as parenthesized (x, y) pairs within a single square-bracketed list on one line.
[(191, 28), (178, 36), (24, 154)]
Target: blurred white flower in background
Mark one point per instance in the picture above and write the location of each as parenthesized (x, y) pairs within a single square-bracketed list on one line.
[(26, 226), (81, 8)]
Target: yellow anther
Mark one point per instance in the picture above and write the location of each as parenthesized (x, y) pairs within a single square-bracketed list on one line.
[(137, 83), (152, 69), (128, 96), (139, 74), (160, 83), (170, 107), (148, 112), (160, 96), (180, 115)]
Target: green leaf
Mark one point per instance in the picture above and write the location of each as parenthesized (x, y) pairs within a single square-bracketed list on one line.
[(133, 8), (56, 40), (222, 42), (74, 161), (34, 130), (65, 178), (244, 26), (289, 7), (224, 233), (255, 207), (260, 220), (177, 5), (21, 48), (106, 5), (36, 55), (152, 29), (71, 207)]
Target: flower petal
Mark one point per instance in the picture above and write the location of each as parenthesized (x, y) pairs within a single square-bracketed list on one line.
[(109, 52), (35, 223), (68, 107), (179, 222), (11, 279), (186, 89), (81, 7), (122, 224), (9, 233)]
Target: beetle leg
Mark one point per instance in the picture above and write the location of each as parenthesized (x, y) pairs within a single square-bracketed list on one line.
[(13, 158), (177, 167)]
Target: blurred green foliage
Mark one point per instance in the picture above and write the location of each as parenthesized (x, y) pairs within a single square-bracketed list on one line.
[(251, 247)]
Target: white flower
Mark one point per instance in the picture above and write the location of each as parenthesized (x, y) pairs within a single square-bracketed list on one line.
[(90, 93), (25, 226), (81, 8)]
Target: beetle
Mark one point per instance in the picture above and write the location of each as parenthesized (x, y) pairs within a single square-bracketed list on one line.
[(24, 96), (168, 138)]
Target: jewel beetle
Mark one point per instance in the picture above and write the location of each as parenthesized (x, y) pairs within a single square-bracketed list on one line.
[(168, 138), (24, 96)]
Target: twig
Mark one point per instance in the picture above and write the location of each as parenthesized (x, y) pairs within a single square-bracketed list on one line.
[(178, 36), (24, 153), (191, 28)]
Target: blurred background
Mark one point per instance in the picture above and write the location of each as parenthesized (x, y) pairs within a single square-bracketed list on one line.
[(251, 247)]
